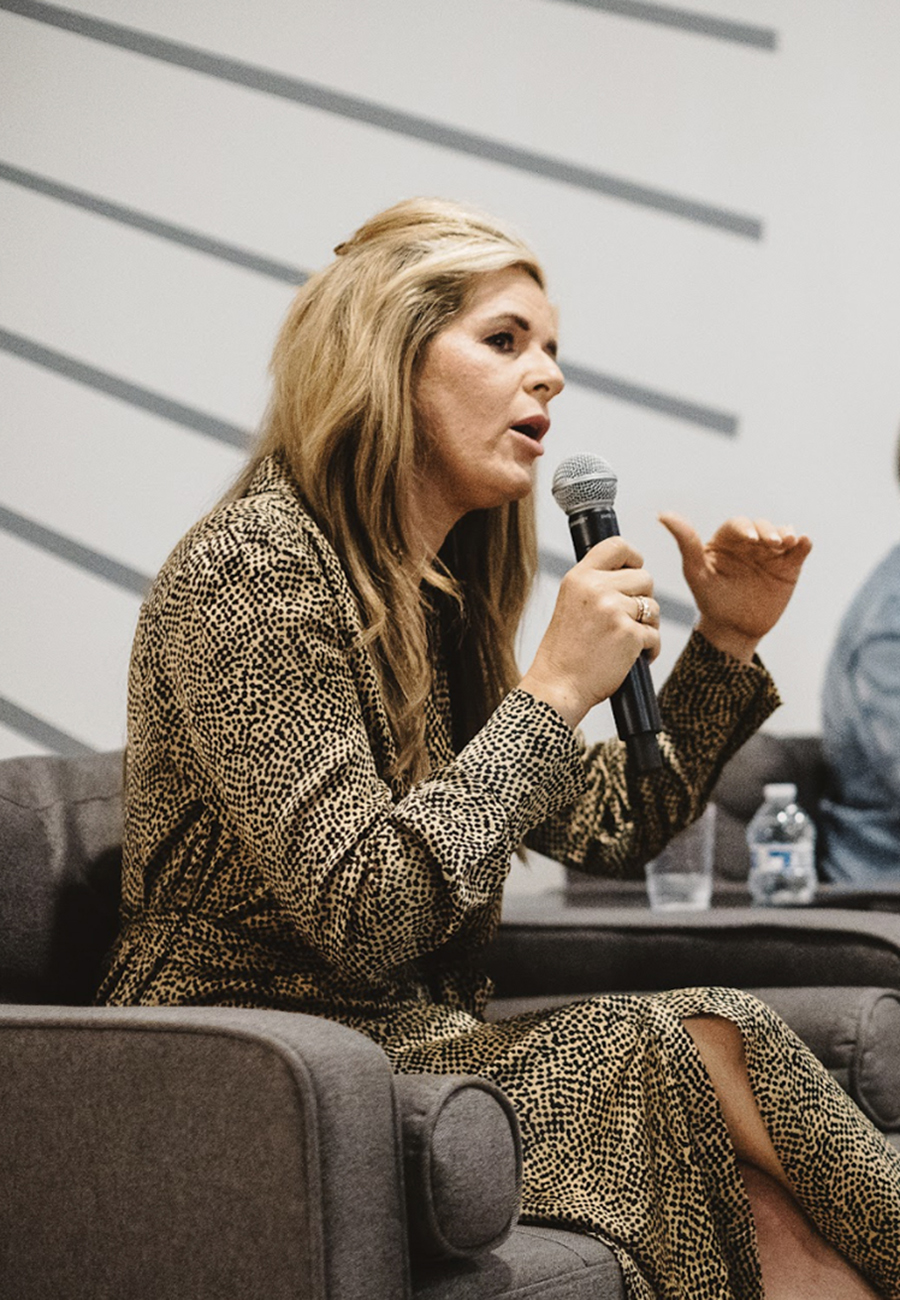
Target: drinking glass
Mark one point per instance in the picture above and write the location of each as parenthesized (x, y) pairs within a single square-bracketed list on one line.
[(680, 878)]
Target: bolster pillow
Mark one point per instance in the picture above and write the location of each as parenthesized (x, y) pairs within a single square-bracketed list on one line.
[(462, 1163)]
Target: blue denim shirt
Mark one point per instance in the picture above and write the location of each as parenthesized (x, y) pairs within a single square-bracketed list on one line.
[(860, 823)]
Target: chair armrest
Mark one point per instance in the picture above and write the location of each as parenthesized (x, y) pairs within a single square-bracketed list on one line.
[(151, 1152), (548, 945)]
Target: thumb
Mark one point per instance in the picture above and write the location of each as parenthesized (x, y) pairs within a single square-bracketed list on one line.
[(687, 537)]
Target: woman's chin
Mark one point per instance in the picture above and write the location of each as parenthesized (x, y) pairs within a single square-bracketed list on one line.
[(518, 485)]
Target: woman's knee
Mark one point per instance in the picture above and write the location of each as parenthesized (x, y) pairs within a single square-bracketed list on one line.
[(717, 1038), (748, 1014)]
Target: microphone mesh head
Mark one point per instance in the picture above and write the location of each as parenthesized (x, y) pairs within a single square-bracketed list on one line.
[(584, 481)]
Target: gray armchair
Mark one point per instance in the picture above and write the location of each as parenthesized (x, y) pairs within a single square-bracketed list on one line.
[(217, 1152)]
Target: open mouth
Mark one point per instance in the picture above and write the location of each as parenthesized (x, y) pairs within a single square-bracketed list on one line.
[(534, 428)]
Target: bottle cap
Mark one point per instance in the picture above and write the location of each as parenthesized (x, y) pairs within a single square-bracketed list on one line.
[(781, 790)]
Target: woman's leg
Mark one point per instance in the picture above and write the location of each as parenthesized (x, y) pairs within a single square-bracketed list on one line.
[(624, 1137), (796, 1260)]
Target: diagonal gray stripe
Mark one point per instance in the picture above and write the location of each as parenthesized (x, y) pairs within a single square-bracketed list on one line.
[(65, 548), (362, 110), (42, 733), (609, 385), (62, 364), (142, 221), (707, 416), (145, 398), (670, 607), (687, 20)]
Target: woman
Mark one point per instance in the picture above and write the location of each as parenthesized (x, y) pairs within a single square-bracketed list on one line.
[(332, 756)]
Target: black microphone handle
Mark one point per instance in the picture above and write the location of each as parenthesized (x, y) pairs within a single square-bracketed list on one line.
[(634, 704)]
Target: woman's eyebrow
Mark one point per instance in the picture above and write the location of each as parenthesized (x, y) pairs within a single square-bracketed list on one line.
[(523, 324)]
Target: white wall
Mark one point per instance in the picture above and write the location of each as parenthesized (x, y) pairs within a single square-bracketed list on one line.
[(793, 333)]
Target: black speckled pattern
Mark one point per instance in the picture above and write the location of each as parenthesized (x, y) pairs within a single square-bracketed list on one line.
[(269, 862)]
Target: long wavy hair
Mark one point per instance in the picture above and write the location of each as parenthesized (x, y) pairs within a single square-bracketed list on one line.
[(342, 416)]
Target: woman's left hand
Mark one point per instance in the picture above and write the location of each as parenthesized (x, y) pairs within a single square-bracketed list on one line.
[(741, 580)]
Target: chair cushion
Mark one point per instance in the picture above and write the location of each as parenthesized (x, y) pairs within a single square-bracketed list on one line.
[(462, 1160), (535, 1263), (60, 863)]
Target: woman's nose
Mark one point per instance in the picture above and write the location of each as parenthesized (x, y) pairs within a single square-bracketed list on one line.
[(547, 376)]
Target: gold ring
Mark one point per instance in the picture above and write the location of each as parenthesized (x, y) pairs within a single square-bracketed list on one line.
[(643, 615)]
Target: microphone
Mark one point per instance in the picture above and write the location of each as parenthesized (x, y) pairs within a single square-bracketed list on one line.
[(585, 488)]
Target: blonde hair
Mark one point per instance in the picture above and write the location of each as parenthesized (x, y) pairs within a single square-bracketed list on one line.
[(342, 416)]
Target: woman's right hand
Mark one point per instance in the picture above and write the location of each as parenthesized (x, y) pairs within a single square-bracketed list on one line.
[(594, 636)]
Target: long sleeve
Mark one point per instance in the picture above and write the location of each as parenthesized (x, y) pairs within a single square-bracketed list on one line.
[(869, 730), (268, 857), (859, 821), (256, 641), (710, 705)]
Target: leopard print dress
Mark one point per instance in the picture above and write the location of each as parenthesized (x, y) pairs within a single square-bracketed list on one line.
[(270, 862)]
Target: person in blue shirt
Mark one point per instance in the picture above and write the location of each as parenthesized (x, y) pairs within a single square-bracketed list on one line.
[(859, 821)]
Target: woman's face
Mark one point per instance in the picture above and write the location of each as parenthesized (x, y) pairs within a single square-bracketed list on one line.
[(481, 401)]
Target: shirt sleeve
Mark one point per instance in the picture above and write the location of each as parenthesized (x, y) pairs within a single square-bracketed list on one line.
[(874, 684), (710, 705), (270, 686)]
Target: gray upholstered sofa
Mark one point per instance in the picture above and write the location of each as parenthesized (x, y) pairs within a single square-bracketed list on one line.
[(216, 1152)]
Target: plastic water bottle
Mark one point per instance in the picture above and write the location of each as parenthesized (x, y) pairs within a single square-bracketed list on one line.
[(782, 842)]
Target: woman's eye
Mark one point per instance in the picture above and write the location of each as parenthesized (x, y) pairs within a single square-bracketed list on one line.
[(503, 341)]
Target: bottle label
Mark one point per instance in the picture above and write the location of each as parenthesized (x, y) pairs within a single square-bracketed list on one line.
[(770, 857), (782, 874)]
